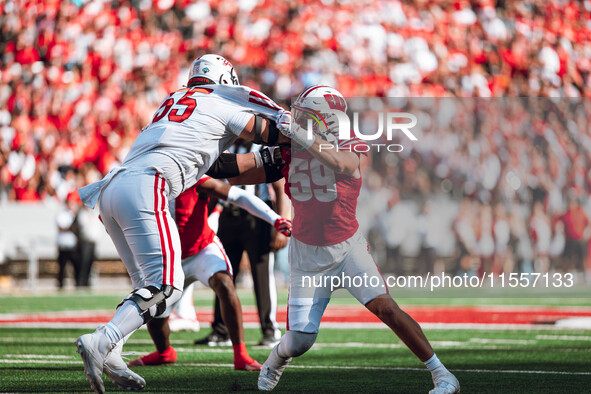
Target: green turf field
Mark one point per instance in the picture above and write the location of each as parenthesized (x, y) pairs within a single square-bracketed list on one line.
[(343, 360), (53, 302), (45, 360)]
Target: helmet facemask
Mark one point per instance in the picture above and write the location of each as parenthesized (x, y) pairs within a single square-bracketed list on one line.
[(319, 105), (325, 125)]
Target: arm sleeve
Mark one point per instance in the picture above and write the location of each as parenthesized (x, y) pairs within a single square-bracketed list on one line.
[(225, 166), (273, 172), (252, 204)]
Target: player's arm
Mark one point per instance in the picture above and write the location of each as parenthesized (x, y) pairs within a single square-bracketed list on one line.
[(282, 200), (263, 131), (283, 206), (256, 120), (229, 165), (343, 162), (252, 177), (250, 203), (269, 172), (266, 174)]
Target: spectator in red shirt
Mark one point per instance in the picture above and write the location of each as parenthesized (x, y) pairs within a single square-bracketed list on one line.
[(576, 226)]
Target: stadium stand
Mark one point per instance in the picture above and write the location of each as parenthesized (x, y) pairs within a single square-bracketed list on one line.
[(79, 80)]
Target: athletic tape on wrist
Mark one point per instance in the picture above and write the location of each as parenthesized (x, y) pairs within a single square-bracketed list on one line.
[(258, 159)]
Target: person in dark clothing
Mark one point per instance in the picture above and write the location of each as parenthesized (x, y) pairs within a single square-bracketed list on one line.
[(88, 229), (67, 241), (576, 231), (239, 231)]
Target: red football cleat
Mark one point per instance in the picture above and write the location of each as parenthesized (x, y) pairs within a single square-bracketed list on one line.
[(156, 358), (251, 365)]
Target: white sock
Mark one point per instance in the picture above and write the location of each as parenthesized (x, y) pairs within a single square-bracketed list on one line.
[(113, 333), (433, 363), (295, 343), (127, 319), (185, 308), (436, 367), (124, 340), (275, 360)]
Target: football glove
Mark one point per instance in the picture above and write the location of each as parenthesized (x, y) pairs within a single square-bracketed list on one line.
[(292, 130), (283, 122), (283, 226), (268, 156)]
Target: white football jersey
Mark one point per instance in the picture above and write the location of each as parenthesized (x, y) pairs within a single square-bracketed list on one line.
[(193, 126), (189, 131)]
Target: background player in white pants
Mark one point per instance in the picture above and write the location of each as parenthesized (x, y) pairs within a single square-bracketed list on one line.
[(204, 259), (240, 232), (184, 315), (324, 186), (188, 133)]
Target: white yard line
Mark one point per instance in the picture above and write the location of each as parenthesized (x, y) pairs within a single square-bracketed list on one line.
[(564, 337), (342, 367), (504, 341), (201, 349), (469, 343), (359, 345), (39, 356), (11, 361), (337, 367)]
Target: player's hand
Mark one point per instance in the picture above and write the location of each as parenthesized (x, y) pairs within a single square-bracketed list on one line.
[(271, 155), (279, 241), (283, 122), (293, 131), (283, 226)]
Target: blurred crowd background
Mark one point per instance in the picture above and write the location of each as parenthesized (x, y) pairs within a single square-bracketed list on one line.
[(491, 185), (506, 189)]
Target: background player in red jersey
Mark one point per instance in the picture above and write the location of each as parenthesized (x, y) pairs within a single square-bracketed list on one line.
[(204, 259), (323, 185)]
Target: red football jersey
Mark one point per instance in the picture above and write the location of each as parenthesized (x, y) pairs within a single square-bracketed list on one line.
[(191, 219), (324, 202)]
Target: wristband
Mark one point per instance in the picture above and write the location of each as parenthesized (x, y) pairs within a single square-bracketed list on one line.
[(258, 159)]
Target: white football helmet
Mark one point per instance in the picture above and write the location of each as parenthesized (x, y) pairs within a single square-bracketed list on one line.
[(212, 69), (319, 103)]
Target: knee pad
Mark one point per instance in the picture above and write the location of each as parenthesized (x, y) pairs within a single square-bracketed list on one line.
[(296, 343), (151, 300), (170, 303)]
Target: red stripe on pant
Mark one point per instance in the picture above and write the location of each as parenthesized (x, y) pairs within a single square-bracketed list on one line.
[(168, 237), (287, 316), (221, 247), (158, 222)]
